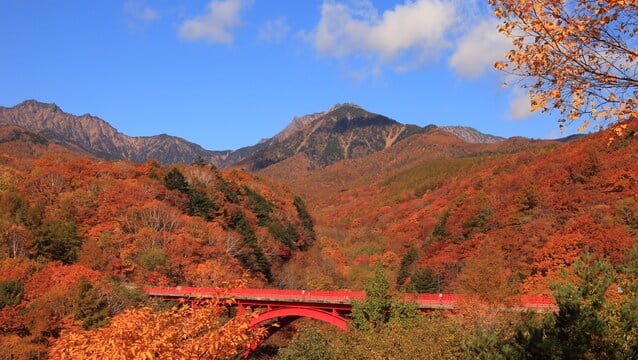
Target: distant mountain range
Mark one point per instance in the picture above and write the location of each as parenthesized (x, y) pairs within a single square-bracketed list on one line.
[(97, 137), (345, 131)]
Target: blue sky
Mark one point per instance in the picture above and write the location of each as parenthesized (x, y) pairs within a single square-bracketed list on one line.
[(226, 73)]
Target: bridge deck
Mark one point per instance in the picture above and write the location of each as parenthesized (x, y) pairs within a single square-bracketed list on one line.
[(334, 299)]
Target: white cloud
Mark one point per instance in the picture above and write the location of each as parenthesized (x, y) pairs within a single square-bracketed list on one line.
[(520, 105), (217, 24), (420, 26), (479, 48), (139, 14), (274, 30)]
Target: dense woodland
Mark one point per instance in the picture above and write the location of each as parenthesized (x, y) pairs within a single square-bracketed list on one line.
[(80, 237)]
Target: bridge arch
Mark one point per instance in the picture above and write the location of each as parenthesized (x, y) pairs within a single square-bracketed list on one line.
[(331, 318)]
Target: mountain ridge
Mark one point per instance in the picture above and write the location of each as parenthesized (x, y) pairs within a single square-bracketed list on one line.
[(98, 137), (344, 131)]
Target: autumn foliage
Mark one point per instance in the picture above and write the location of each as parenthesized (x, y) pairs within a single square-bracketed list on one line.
[(182, 332), (579, 55), (79, 238), (501, 222)]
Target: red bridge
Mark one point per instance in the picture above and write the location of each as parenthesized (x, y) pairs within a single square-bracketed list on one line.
[(328, 306)]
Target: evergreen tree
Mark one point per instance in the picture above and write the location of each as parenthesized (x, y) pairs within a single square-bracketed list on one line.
[(582, 328), (404, 268), (375, 309), (380, 306), (256, 260), (59, 241), (174, 180), (90, 306), (259, 206), (423, 281), (306, 221), (199, 204), (11, 292)]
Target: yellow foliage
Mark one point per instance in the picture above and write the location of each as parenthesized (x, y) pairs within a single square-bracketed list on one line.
[(182, 332), (579, 56)]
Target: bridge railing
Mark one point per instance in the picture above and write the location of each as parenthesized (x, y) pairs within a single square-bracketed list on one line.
[(342, 296), (424, 301)]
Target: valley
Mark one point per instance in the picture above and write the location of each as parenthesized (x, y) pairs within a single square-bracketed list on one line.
[(331, 202)]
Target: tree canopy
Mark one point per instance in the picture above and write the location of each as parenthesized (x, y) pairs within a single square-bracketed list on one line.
[(582, 55)]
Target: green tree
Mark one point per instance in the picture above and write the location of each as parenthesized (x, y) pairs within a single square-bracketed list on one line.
[(199, 204), (582, 328), (11, 292), (285, 234), (225, 189), (59, 240), (381, 306), (90, 306), (255, 260), (423, 281), (259, 206), (374, 311), (404, 268), (154, 259), (308, 344), (175, 180), (434, 336), (626, 325), (440, 231), (307, 222)]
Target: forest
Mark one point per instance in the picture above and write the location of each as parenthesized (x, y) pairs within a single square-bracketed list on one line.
[(80, 237)]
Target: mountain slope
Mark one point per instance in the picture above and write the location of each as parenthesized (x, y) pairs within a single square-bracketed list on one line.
[(533, 205), (97, 137), (471, 135), (346, 131)]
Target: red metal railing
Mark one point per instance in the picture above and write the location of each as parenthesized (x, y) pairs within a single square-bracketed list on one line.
[(340, 297)]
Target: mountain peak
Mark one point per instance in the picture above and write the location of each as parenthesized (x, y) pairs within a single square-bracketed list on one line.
[(37, 105), (345, 105), (345, 131), (471, 135), (94, 135)]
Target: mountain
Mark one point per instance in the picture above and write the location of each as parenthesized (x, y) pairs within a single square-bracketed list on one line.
[(533, 206), (321, 185), (345, 131), (20, 147), (471, 135), (94, 135)]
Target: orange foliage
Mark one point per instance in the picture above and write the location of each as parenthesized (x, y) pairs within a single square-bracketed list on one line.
[(541, 207), (179, 333), (579, 55)]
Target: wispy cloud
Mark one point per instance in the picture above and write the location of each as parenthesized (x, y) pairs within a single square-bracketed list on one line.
[(479, 48), (217, 24), (274, 30), (520, 105), (139, 14), (357, 28)]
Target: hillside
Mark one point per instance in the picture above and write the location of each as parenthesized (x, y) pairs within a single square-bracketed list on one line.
[(520, 208), (20, 147), (321, 184), (95, 136), (83, 236)]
